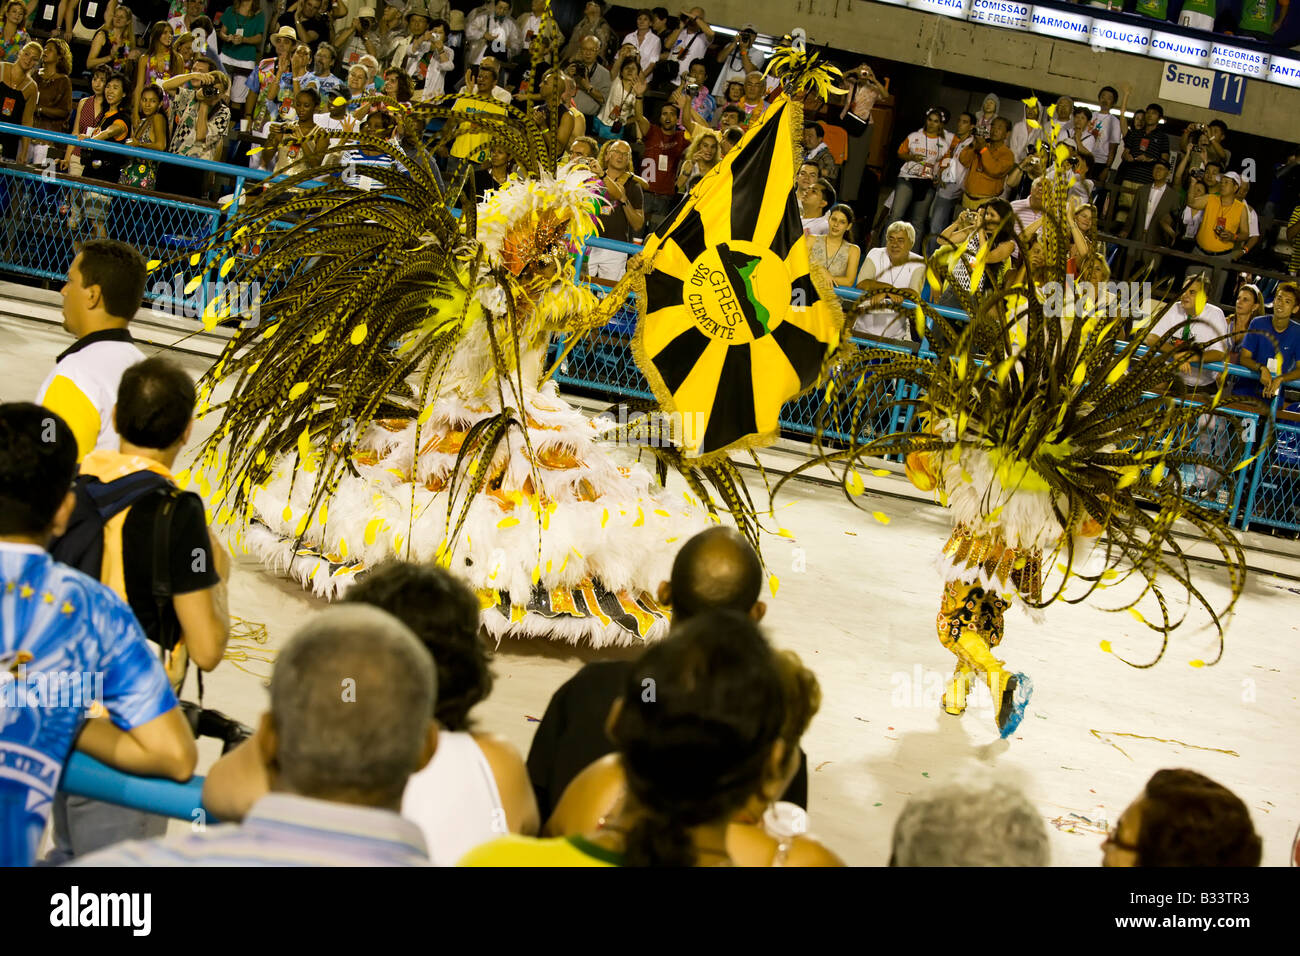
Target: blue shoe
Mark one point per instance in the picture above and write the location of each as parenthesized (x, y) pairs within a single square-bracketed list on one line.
[(1015, 698)]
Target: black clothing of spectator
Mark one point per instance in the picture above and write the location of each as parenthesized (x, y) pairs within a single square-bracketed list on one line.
[(572, 734), (191, 566), (1152, 144)]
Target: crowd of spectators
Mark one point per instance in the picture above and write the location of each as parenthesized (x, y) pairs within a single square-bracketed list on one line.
[(708, 770)]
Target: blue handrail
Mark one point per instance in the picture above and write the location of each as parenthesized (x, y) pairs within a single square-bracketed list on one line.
[(84, 776), (135, 152)]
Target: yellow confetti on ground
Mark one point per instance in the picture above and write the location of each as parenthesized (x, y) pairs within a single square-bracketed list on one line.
[(1105, 646), (1197, 663), (881, 472), (881, 517)]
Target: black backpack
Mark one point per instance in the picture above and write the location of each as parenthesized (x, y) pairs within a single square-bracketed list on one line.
[(81, 546)]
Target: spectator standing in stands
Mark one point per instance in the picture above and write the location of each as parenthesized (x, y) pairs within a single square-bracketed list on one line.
[(435, 65), (388, 29), (1151, 220), (893, 265), (665, 143), (988, 164), (114, 43), (1078, 135), (1107, 129), (322, 78), (1224, 229), (704, 153), (951, 182), (54, 613), (1275, 362), (620, 104), (1261, 18), (755, 100), (492, 33), (625, 215), (157, 63), (1249, 307), (814, 202), (357, 39), (311, 26), (153, 417), (700, 101), (114, 126), (1142, 147), (265, 82), (13, 37), (976, 820), (201, 120), (532, 24), (689, 42), (1183, 819), (647, 42), (1208, 326), (816, 151), (693, 757), (470, 144), (592, 24), (738, 59), (835, 252), (592, 79), (855, 116), (920, 153), (104, 289), (1204, 143), (242, 31), (150, 133), (337, 763), (987, 232), (18, 97), (53, 88), (88, 110)]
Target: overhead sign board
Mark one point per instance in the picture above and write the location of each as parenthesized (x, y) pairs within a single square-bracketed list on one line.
[(1208, 89), (1001, 13)]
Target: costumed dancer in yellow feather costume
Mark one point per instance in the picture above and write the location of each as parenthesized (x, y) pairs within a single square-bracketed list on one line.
[(1048, 433)]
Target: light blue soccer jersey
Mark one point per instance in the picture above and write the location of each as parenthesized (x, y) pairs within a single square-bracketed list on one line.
[(65, 642)]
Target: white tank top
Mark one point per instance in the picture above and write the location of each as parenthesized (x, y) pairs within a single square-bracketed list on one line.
[(454, 800)]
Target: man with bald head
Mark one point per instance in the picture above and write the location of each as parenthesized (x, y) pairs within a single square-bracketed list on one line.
[(715, 569)]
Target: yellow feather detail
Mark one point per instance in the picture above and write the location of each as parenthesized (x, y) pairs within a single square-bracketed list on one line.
[(853, 483), (297, 391), (373, 527), (358, 334), (774, 583), (509, 522)]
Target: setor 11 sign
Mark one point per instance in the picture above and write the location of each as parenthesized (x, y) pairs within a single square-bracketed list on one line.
[(1208, 89)]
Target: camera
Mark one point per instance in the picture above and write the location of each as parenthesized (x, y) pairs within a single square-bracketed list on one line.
[(208, 89), (747, 37), (213, 723), (692, 89)]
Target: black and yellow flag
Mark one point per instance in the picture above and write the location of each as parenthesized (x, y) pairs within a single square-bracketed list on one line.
[(732, 324)]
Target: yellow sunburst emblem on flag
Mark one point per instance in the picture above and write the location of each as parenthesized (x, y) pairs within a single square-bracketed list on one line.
[(734, 321)]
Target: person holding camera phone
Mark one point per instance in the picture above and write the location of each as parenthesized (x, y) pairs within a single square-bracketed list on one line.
[(200, 121), (356, 40), (242, 30), (689, 42), (738, 59)]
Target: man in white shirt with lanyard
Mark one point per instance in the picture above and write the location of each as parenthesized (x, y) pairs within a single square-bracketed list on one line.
[(894, 265), (689, 42)]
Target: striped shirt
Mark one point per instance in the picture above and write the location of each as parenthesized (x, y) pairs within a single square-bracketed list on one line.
[(283, 829)]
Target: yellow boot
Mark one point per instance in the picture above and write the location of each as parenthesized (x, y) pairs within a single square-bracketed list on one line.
[(1010, 691), (954, 696)]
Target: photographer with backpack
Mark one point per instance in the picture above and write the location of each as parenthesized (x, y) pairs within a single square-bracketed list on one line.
[(137, 533)]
